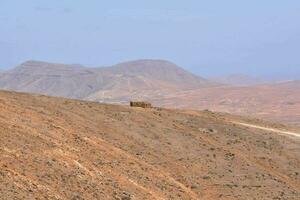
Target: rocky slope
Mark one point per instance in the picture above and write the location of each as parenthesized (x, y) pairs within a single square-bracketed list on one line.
[(55, 148)]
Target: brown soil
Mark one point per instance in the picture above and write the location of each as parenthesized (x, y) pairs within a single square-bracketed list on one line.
[(55, 148)]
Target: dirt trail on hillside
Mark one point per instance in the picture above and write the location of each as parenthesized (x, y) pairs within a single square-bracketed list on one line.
[(268, 129)]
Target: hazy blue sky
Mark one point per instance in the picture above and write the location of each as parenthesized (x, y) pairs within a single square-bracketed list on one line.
[(212, 37)]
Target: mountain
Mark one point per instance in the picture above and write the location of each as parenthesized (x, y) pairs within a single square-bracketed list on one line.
[(51, 79), (56, 148), (75, 81), (146, 79), (159, 70)]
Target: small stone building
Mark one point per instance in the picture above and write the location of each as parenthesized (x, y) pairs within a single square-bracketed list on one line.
[(141, 104)]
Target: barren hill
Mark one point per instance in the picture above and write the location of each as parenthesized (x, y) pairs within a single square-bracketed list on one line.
[(51, 79), (55, 148), (159, 70), (75, 81)]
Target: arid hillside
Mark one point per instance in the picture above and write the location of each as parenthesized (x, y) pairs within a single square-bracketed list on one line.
[(277, 102), (55, 148), (161, 82)]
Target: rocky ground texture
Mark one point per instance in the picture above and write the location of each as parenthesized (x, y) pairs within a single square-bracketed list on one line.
[(55, 148)]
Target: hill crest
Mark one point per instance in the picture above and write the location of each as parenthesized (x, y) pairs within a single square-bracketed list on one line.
[(57, 148)]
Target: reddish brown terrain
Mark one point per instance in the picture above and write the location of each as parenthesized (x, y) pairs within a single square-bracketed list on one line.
[(161, 82), (276, 102), (55, 148)]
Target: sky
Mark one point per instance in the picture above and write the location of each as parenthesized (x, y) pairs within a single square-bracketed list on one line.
[(209, 38)]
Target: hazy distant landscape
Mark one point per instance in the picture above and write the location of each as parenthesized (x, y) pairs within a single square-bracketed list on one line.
[(161, 82), (149, 100)]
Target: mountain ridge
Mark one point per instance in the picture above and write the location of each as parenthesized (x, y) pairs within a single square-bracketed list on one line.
[(76, 81)]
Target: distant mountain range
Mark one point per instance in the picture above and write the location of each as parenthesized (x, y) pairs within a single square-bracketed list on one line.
[(160, 82), (133, 79)]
